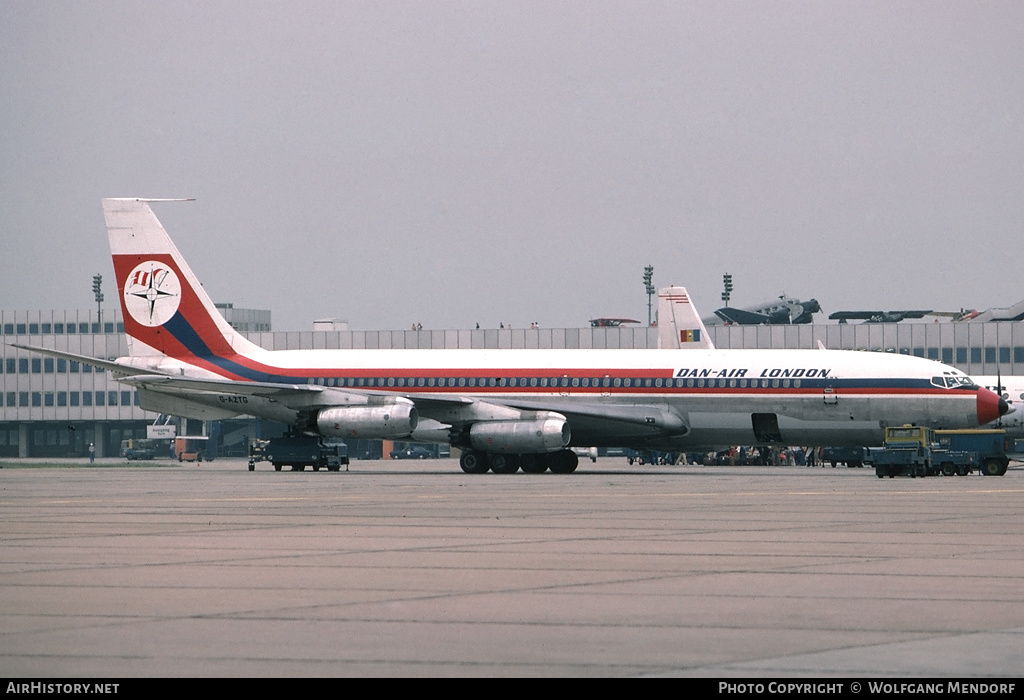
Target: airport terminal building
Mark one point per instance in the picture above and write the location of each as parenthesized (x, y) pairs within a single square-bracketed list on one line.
[(55, 408)]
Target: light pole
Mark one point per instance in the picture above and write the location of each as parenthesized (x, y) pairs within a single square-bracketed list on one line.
[(648, 277), (97, 286)]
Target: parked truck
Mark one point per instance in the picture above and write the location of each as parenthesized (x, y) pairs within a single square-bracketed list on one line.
[(136, 448), (299, 452), (990, 447), (912, 450), (190, 448), (850, 456)]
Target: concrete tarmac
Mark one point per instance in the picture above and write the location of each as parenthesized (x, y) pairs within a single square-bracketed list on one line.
[(417, 569)]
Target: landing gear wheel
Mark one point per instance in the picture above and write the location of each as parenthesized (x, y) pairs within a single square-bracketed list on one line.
[(252, 466), (504, 464), (473, 462), (532, 464), (277, 466), (564, 462)]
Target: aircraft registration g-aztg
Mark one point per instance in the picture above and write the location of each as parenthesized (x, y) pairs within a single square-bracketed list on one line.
[(510, 409)]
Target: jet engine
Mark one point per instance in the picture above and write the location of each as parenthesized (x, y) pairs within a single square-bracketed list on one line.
[(390, 421), (548, 434)]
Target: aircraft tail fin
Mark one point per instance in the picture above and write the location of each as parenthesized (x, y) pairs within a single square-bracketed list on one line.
[(679, 326), (166, 311)]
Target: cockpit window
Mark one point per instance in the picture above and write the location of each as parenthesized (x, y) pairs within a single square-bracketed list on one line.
[(951, 381)]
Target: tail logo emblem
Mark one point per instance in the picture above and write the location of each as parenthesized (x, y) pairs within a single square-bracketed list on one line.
[(152, 293)]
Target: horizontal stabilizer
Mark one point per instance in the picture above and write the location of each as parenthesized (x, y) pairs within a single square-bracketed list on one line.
[(86, 360)]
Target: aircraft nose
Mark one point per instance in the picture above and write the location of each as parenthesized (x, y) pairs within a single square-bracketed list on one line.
[(990, 406)]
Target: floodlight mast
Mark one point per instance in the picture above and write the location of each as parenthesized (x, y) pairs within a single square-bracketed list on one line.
[(649, 284)]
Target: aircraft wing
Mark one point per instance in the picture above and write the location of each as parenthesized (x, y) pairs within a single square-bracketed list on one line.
[(854, 315), (741, 317), (879, 316), (186, 385), (589, 422)]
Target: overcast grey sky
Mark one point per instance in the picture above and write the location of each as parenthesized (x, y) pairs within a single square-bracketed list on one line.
[(450, 163)]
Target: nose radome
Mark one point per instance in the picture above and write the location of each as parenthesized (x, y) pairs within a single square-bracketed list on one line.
[(990, 406)]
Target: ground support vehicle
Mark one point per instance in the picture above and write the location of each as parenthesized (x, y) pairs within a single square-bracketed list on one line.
[(850, 456), (299, 452), (136, 448), (918, 451), (905, 452), (190, 448), (988, 446), (411, 452)]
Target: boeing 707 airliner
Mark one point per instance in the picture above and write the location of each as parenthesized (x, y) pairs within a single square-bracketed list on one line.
[(510, 409)]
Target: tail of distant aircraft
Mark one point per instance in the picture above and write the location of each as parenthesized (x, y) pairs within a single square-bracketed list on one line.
[(679, 326), (166, 310)]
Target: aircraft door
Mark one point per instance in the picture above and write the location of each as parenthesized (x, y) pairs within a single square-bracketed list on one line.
[(766, 427)]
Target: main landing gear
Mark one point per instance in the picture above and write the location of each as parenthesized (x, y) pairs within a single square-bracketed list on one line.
[(561, 462)]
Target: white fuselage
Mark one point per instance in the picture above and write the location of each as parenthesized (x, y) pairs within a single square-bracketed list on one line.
[(722, 397)]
